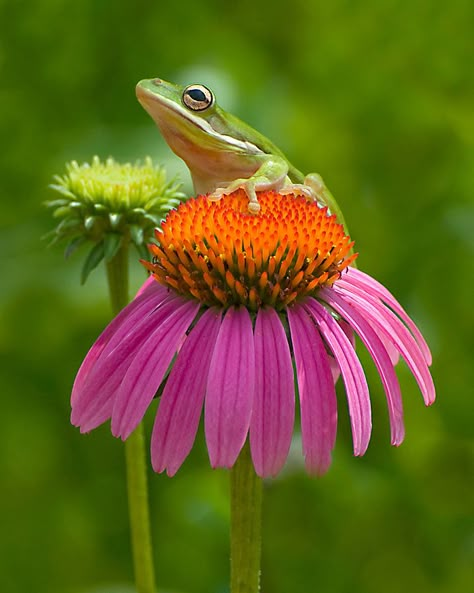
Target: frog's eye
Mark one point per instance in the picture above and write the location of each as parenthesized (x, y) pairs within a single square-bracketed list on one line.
[(197, 97)]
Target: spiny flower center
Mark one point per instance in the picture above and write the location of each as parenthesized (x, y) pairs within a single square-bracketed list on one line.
[(220, 254)]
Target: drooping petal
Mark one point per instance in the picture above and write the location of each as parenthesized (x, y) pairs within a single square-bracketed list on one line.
[(177, 419), (367, 283), (335, 370), (150, 302), (93, 404), (316, 391), (273, 411), (394, 330), (230, 388), (148, 367), (389, 347), (149, 292), (352, 374), (380, 357), (100, 408)]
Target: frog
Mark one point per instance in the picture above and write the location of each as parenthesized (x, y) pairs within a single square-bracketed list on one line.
[(222, 152)]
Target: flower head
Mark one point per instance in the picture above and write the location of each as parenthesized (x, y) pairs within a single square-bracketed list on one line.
[(234, 303), (223, 257), (108, 203)]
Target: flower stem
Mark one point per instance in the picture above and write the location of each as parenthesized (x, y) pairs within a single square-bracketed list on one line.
[(135, 454), (246, 525)]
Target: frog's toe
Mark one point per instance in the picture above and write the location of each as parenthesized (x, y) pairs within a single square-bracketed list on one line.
[(216, 195), (298, 189), (254, 207)]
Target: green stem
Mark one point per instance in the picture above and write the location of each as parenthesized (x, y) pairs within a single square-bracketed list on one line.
[(135, 452), (117, 277), (139, 513), (246, 525)]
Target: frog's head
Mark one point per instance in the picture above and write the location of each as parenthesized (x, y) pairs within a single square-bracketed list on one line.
[(190, 119)]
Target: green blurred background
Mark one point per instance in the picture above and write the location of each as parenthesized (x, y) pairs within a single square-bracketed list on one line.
[(375, 96)]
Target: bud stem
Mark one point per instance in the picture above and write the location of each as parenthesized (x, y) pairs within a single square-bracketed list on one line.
[(117, 278), (135, 454)]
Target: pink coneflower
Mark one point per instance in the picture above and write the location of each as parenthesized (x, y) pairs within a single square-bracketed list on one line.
[(235, 302)]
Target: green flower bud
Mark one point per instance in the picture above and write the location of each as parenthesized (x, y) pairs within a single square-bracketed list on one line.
[(110, 205)]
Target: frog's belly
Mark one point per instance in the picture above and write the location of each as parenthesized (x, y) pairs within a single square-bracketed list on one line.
[(210, 170)]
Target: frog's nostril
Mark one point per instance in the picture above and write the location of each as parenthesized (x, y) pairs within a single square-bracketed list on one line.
[(156, 81)]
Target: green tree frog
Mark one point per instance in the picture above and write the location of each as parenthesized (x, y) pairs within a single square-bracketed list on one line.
[(222, 152)]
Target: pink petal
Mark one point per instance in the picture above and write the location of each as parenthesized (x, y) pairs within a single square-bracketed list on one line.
[(380, 357), (148, 367), (105, 376), (147, 285), (148, 293), (104, 379), (387, 323), (316, 391), (352, 373), (230, 388), (273, 413), (366, 282), (150, 303), (177, 419)]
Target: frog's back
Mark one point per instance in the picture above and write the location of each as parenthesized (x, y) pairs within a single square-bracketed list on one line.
[(246, 133)]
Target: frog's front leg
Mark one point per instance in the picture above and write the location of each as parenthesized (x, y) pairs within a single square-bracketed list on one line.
[(270, 175)]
